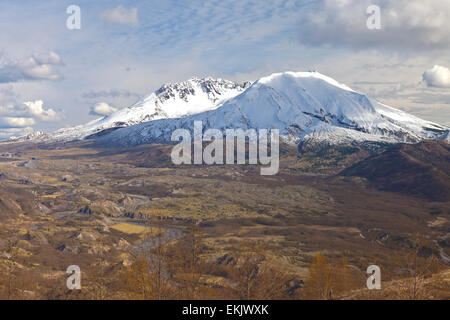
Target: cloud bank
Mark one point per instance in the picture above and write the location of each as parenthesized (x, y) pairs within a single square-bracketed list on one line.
[(418, 24)]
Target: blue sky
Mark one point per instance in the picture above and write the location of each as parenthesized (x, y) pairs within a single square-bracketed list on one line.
[(126, 49)]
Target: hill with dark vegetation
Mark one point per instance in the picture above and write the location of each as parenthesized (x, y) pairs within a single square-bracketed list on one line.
[(415, 169)]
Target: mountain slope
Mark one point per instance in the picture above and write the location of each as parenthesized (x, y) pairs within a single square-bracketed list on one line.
[(417, 169), (170, 101), (304, 106)]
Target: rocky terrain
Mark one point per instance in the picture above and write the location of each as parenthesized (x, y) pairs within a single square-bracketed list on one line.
[(95, 207), (360, 183)]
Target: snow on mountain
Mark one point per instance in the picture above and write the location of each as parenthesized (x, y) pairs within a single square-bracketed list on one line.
[(303, 106), (30, 136), (170, 101), (445, 137)]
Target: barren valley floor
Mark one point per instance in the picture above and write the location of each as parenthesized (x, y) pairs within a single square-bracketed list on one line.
[(122, 214)]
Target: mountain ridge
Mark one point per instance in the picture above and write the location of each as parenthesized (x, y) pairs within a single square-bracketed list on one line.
[(304, 106), (170, 100)]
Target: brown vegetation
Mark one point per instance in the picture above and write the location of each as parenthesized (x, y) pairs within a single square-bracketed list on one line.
[(142, 229)]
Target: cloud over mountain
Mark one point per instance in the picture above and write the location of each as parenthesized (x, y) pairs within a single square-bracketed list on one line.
[(102, 109)]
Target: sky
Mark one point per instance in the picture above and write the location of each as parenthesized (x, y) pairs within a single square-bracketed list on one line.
[(53, 75)]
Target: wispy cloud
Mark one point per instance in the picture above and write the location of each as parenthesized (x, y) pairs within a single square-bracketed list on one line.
[(36, 67), (112, 93), (122, 15)]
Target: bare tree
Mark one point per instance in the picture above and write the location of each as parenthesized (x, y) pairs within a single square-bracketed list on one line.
[(253, 276), (421, 263), (328, 281)]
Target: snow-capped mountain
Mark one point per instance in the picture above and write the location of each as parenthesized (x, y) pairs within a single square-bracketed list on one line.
[(303, 106), (172, 100)]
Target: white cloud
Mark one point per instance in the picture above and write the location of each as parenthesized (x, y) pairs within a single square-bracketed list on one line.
[(30, 109), (122, 15), (16, 119), (420, 24), (102, 109), (437, 76), (13, 122), (36, 109), (6, 133), (36, 67), (48, 58)]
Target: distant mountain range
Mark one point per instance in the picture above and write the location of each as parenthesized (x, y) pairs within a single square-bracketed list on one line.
[(304, 106)]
